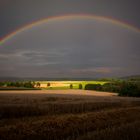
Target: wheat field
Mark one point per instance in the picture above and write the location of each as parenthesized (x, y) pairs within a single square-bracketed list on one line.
[(68, 115)]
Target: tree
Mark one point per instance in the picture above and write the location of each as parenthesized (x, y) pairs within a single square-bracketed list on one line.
[(130, 89), (2, 84), (93, 87), (28, 84), (71, 86), (80, 86), (48, 84), (38, 84)]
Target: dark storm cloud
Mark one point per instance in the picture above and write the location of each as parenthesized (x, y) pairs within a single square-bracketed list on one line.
[(16, 13), (69, 48)]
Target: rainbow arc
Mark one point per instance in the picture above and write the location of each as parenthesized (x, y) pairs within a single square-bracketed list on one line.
[(77, 16)]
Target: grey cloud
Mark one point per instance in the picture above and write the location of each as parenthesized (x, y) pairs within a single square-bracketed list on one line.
[(77, 47)]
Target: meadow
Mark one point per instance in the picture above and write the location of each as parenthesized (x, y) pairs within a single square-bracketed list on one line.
[(68, 115)]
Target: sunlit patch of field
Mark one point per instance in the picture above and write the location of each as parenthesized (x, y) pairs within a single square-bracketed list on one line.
[(68, 115), (66, 84)]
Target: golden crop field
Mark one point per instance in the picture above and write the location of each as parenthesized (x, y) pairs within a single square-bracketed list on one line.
[(68, 115)]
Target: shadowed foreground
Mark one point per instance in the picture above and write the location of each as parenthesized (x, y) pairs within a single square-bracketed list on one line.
[(66, 116)]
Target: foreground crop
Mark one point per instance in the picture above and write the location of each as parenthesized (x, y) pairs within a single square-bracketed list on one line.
[(69, 118)]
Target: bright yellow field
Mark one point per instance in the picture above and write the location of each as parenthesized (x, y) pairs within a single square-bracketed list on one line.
[(66, 84)]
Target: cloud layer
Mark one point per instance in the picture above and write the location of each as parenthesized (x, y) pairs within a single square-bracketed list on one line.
[(72, 48)]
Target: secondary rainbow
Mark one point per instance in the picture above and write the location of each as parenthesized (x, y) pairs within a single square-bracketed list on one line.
[(57, 18)]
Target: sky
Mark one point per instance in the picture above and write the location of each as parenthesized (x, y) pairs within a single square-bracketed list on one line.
[(73, 47)]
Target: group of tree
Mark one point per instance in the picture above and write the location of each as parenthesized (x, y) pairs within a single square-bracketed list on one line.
[(125, 88), (25, 84)]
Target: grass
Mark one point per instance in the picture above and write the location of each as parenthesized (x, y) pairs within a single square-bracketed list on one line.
[(63, 117)]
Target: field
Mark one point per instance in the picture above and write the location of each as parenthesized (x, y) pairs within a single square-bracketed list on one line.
[(66, 84), (68, 115)]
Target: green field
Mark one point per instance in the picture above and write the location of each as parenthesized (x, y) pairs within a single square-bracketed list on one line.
[(66, 84)]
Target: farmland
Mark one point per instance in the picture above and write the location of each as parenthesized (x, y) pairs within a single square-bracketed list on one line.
[(68, 115)]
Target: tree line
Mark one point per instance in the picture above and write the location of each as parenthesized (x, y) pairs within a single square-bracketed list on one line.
[(25, 84), (124, 88)]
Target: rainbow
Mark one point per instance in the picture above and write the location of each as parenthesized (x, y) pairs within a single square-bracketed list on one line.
[(57, 18)]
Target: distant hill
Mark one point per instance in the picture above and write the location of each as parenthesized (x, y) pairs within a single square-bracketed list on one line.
[(131, 78), (44, 79)]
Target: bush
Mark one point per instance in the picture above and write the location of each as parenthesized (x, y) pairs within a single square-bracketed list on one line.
[(111, 87), (123, 88), (27, 84), (2, 84), (38, 84), (80, 86), (71, 86), (93, 87), (48, 84), (129, 89)]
